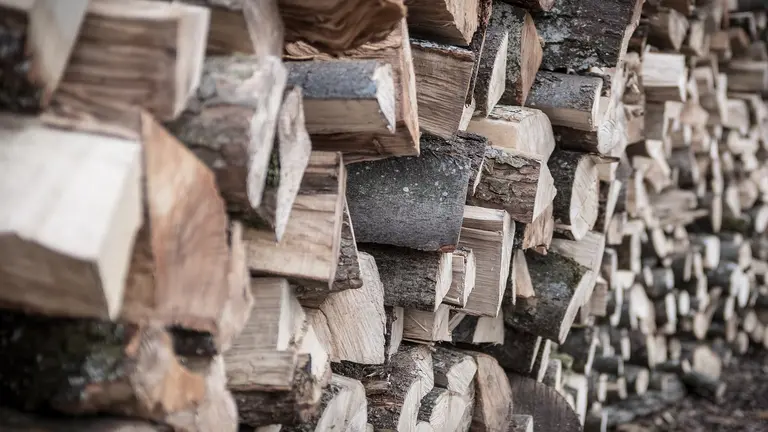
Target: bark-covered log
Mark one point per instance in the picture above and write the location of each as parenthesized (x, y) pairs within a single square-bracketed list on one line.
[(667, 29), (549, 409), (512, 127), (342, 407), (493, 396), (464, 269), (569, 100), (518, 352), (491, 73), (454, 370), (575, 205), (537, 234), (444, 21), (476, 330), (639, 406), (581, 345), (705, 386), (523, 51)]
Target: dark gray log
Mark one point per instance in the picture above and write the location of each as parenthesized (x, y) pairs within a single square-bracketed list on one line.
[(638, 379), (580, 344), (533, 5), (15, 421), (519, 351), (523, 51), (415, 202), (569, 100), (549, 409), (521, 423), (576, 35), (542, 361), (611, 365), (559, 284), (453, 369), (705, 386), (639, 406)]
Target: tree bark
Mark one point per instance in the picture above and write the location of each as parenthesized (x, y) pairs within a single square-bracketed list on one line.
[(490, 83), (548, 408), (524, 52), (569, 100), (533, 5)]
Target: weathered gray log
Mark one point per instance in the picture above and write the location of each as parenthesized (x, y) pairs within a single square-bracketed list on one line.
[(639, 406), (517, 182), (705, 386), (430, 190), (518, 352), (412, 279), (575, 206), (16, 421), (523, 51), (521, 423), (560, 287), (491, 74), (580, 345), (533, 5), (638, 379), (550, 411), (569, 100), (575, 36), (611, 365)]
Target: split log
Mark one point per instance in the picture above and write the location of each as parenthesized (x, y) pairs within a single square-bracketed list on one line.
[(237, 309), (554, 375), (444, 21), (490, 81), (520, 284), (493, 396), (464, 269), (443, 74), (468, 329), (664, 77), (511, 127), (430, 189), (422, 326), (705, 386), (523, 51), (568, 100), (609, 135), (394, 49), (537, 234), (394, 389), (39, 38), (574, 36), (668, 28), (517, 182), (580, 346), (342, 407), (412, 279), (518, 352), (17, 421), (548, 408), (434, 410), (533, 5), (454, 370), (575, 205), (521, 423), (345, 96), (560, 287), (309, 250)]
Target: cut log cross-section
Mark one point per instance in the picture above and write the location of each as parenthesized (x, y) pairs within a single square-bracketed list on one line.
[(568, 100), (448, 21), (511, 127)]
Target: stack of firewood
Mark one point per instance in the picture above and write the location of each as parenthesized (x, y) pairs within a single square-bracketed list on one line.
[(411, 215)]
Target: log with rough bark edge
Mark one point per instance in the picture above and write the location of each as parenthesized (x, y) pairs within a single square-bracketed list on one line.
[(340, 25), (345, 96), (38, 39), (434, 410), (158, 71), (560, 285), (493, 396), (575, 205), (580, 346), (523, 53), (608, 138), (554, 374), (664, 77), (430, 189), (476, 330), (85, 258), (537, 234), (490, 82), (520, 284), (342, 407), (309, 250), (667, 29), (521, 423), (464, 269), (637, 406), (237, 309), (705, 386), (454, 370), (412, 279), (587, 252), (89, 366), (574, 34), (422, 326), (517, 182), (357, 319), (511, 127), (448, 21), (490, 234), (395, 50), (549, 409), (230, 124), (568, 100), (394, 389), (443, 74), (518, 352)]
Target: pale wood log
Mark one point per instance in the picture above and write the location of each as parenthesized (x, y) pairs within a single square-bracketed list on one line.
[(343, 407), (443, 74), (431, 189), (537, 234), (548, 408), (747, 75), (520, 283), (609, 133), (668, 28), (309, 250), (423, 326), (464, 270), (574, 38), (476, 330), (448, 21), (698, 40), (664, 77), (517, 182), (39, 38), (490, 81), (575, 205), (493, 396), (394, 49), (523, 52), (512, 127), (568, 100), (393, 332), (454, 370), (237, 309)]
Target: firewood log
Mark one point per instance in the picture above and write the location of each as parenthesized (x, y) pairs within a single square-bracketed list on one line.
[(490, 81), (668, 28), (548, 408), (533, 5), (444, 21), (423, 326), (343, 407), (554, 374), (493, 396), (454, 370), (464, 270), (468, 329), (524, 52), (518, 352), (568, 100), (537, 234), (512, 127), (575, 205)]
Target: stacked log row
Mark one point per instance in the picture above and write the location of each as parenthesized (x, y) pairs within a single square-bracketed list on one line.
[(396, 215)]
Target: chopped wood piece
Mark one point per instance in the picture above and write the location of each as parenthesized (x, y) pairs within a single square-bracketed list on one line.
[(443, 74), (39, 37), (523, 51), (518, 352), (433, 410), (537, 234), (574, 36), (464, 269), (339, 25), (490, 82), (521, 423), (517, 182), (609, 136), (476, 330), (520, 284), (664, 77), (454, 370), (342, 407), (493, 396), (667, 28), (345, 96), (412, 279), (430, 189), (427, 326), (560, 285), (395, 50), (490, 234), (533, 5), (548, 408), (512, 127), (575, 205), (448, 21), (17, 421), (568, 100), (237, 309), (705, 386)]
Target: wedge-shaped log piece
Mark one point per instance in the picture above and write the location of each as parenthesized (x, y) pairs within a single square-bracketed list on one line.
[(74, 220), (230, 124), (517, 182), (490, 234), (490, 81), (524, 52), (575, 37), (345, 96), (664, 77), (434, 410), (342, 407), (443, 74), (395, 50), (309, 250), (537, 234), (609, 137), (394, 389), (493, 396), (560, 285), (38, 38), (464, 270), (549, 409), (568, 100), (668, 28), (588, 252), (454, 370), (512, 127), (158, 71), (412, 279), (448, 21), (427, 326), (575, 205), (237, 309), (430, 190), (340, 25)]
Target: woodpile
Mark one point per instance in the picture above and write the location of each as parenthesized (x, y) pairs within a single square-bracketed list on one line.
[(406, 215)]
